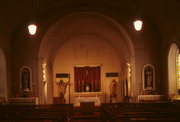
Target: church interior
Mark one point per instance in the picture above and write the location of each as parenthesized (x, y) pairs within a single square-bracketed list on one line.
[(58, 55)]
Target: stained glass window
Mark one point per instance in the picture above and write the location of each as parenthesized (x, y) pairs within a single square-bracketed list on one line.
[(178, 69)]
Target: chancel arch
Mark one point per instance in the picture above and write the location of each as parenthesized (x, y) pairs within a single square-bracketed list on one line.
[(85, 39)]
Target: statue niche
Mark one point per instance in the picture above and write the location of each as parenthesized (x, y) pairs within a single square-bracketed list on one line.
[(25, 81), (113, 90)]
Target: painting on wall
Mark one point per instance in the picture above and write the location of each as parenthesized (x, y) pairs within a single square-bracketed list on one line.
[(148, 77)]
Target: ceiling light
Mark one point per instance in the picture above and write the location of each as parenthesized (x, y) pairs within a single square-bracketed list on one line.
[(32, 29), (138, 24)]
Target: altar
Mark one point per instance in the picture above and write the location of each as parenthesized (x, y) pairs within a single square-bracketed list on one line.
[(145, 98), (23, 101), (95, 97)]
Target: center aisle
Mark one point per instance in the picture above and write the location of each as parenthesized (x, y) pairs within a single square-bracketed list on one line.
[(79, 116)]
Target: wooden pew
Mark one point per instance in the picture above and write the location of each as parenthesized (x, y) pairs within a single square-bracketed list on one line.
[(115, 112), (59, 113)]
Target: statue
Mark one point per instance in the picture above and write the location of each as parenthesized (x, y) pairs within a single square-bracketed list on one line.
[(148, 78), (62, 88), (113, 89), (25, 81)]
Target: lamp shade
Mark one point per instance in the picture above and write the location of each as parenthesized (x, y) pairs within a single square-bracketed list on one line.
[(138, 24), (32, 29)]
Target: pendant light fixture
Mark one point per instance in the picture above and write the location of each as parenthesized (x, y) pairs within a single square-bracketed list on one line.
[(32, 27), (138, 23)]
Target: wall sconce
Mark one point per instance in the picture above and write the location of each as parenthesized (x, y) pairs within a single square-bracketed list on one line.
[(44, 72)]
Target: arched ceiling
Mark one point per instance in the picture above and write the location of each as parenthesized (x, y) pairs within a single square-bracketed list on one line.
[(79, 24), (165, 13)]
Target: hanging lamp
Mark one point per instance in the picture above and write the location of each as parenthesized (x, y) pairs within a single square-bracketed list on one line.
[(138, 23), (32, 27)]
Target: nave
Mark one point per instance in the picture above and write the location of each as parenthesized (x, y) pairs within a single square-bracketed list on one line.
[(89, 50), (107, 112)]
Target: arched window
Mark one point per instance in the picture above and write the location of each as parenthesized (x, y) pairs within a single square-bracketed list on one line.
[(178, 69), (3, 76), (174, 69)]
